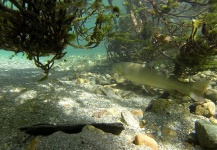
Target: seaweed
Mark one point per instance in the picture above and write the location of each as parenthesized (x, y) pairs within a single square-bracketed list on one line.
[(180, 34), (40, 28)]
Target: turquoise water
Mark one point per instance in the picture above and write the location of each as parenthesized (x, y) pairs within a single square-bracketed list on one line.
[(71, 50)]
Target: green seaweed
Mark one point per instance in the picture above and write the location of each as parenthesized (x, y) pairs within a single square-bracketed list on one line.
[(163, 32), (41, 28)]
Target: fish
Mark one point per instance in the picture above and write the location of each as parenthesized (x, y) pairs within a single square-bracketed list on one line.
[(140, 74)]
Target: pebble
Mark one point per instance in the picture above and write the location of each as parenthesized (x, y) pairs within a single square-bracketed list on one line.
[(107, 91), (168, 134), (202, 75), (186, 98), (137, 112), (206, 134), (195, 78), (211, 94), (106, 112), (206, 109), (102, 80), (108, 76), (81, 80), (33, 143), (145, 140), (213, 120), (192, 139), (118, 79), (162, 105), (129, 119)]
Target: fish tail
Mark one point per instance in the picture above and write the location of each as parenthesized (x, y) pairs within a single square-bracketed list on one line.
[(198, 89)]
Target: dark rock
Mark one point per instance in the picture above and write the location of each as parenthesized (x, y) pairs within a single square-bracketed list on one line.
[(47, 129), (192, 139), (211, 94), (192, 108), (206, 134)]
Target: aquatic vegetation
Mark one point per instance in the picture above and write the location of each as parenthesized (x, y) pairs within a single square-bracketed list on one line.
[(45, 27), (180, 34)]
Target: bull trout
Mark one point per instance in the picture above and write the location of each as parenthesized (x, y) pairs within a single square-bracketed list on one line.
[(137, 73)]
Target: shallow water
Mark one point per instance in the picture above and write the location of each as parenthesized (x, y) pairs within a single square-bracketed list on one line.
[(82, 90)]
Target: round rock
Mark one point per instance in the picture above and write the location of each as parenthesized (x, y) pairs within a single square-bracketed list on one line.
[(206, 134)]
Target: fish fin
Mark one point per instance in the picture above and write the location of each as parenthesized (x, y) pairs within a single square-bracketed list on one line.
[(198, 89)]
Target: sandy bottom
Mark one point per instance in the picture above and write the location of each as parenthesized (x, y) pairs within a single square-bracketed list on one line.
[(61, 99)]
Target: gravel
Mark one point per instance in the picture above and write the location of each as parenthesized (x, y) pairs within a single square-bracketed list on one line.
[(62, 100)]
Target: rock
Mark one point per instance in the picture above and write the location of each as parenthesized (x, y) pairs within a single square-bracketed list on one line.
[(202, 75), (211, 94), (195, 78), (118, 79), (162, 105), (137, 112), (206, 134), (192, 139), (108, 76), (33, 144), (206, 109), (213, 120), (129, 119), (107, 91), (142, 139), (81, 80), (168, 134), (98, 91), (188, 146), (106, 112), (186, 98), (100, 114)]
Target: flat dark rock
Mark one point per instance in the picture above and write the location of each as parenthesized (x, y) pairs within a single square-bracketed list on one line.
[(47, 129)]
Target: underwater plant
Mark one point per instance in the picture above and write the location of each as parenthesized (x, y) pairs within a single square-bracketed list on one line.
[(40, 28), (181, 34), (199, 51)]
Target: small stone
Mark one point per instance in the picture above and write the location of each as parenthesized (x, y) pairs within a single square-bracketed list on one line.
[(188, 146), (107, 76), (98, 91), (137, 113), (142, 123), (211, 94), (94, 129), (185, 80), (163, 105), (192, 139), (213, 120), (207, 72), (206, 133), (81, 80), (34, 142), (118, 79), (186, 98), (102, 81), (196, 78), (206, 109), (145, 140), (129, 119), (100, 114), (108, 91), (202, 75), (168, 134)]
